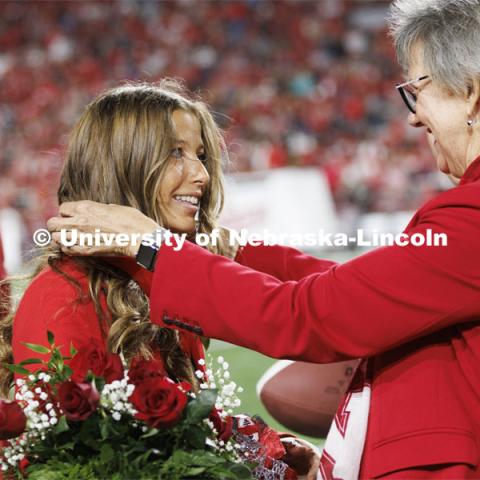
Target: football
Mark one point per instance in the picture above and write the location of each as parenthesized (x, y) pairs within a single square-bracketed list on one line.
[(304, 396)]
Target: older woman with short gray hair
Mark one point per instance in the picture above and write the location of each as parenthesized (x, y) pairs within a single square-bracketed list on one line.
[(438, 45), (412, 313)]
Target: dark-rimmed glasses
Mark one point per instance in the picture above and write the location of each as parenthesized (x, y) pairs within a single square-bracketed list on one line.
[(408, 95)]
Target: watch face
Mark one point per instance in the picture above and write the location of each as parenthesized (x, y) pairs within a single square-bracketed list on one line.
[(146, 256)]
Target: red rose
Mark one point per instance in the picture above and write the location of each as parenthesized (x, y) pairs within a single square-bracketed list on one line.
[(223, 426), (94, 358), (141, 370), (78, 400), (159, 401), (113, 368), (12, 420), (22, 466)]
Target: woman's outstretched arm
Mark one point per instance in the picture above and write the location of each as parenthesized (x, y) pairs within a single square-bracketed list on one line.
[(363, 307), (284, 263)]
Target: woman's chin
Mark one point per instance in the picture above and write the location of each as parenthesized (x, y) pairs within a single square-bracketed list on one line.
[(443, 165), (185, 226)]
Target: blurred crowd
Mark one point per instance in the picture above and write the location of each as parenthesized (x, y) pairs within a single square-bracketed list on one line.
[(308, 83)]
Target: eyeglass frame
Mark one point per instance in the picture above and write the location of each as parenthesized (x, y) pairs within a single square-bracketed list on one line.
[(401, 90)]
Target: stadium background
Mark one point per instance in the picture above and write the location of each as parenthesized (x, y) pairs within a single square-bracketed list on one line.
[(296, 84)]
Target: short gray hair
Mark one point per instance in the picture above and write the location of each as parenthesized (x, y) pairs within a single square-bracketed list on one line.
[(448, 31)]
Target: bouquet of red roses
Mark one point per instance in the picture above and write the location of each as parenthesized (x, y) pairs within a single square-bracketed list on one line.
[(86, 416)]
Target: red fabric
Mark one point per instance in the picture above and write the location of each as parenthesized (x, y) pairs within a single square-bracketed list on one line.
[(414, 310), (437, 472), (51, 303), (283, 263)]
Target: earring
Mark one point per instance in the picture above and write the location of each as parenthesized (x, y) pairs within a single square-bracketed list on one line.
[(471, 122), (197, 221)]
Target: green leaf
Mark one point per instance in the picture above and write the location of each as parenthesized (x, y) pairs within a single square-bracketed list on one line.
[(73, 350), (206, 342), (195, 471), (50, 338), (241, 471), (196, 436), (56, 355), (99, 383), (15, 368), (106, 453), (60, 366), (67, 371), (62, 425), (30, 361), (36, 348), (104, 430), (68, 446), (150, 433), (200, 407)]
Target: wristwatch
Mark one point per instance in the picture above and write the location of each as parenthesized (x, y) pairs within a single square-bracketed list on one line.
[(149, 247)]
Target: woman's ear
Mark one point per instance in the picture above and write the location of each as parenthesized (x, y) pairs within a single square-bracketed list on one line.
[(473, 99)]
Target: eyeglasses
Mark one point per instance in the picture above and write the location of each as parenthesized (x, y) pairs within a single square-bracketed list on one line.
[(408, 95)]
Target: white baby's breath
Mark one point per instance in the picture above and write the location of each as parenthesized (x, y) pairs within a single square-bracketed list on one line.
[(114, 397)]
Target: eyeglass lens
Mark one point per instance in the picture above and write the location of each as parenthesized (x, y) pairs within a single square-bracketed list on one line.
[(409, 98)]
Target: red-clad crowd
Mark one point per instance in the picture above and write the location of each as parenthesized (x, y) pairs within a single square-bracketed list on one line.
[(294, 82)]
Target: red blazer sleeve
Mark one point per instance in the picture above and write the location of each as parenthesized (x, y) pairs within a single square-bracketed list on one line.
[(368, 305), (284, 263), (50, 304)]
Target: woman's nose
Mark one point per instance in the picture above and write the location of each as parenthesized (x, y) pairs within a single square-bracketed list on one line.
[(198, 173), (413, 120)]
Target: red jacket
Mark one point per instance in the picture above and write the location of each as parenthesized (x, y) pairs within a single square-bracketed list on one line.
[(51, 303), (415, 311)]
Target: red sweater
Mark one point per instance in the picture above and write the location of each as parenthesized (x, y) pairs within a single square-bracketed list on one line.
[(414, 311)]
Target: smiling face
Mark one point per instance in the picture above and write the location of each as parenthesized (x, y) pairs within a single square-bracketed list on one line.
[(444, 116), (186, 177)]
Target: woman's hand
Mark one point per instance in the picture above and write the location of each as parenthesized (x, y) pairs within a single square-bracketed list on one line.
[(110, 220), (302, 456)]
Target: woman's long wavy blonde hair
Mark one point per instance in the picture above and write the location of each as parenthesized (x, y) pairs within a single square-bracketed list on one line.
[(118, 153)]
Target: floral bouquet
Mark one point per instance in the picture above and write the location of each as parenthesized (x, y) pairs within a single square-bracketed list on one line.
[(92, 418)]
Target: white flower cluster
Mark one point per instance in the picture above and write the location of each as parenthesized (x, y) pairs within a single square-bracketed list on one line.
[(217, 375), (114, 398), (220, 445), (13, 453), (42, 415), (219, 378), (39, 420)]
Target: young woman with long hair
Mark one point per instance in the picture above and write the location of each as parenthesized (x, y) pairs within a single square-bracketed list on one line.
[(150, 147), (154, 148)]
